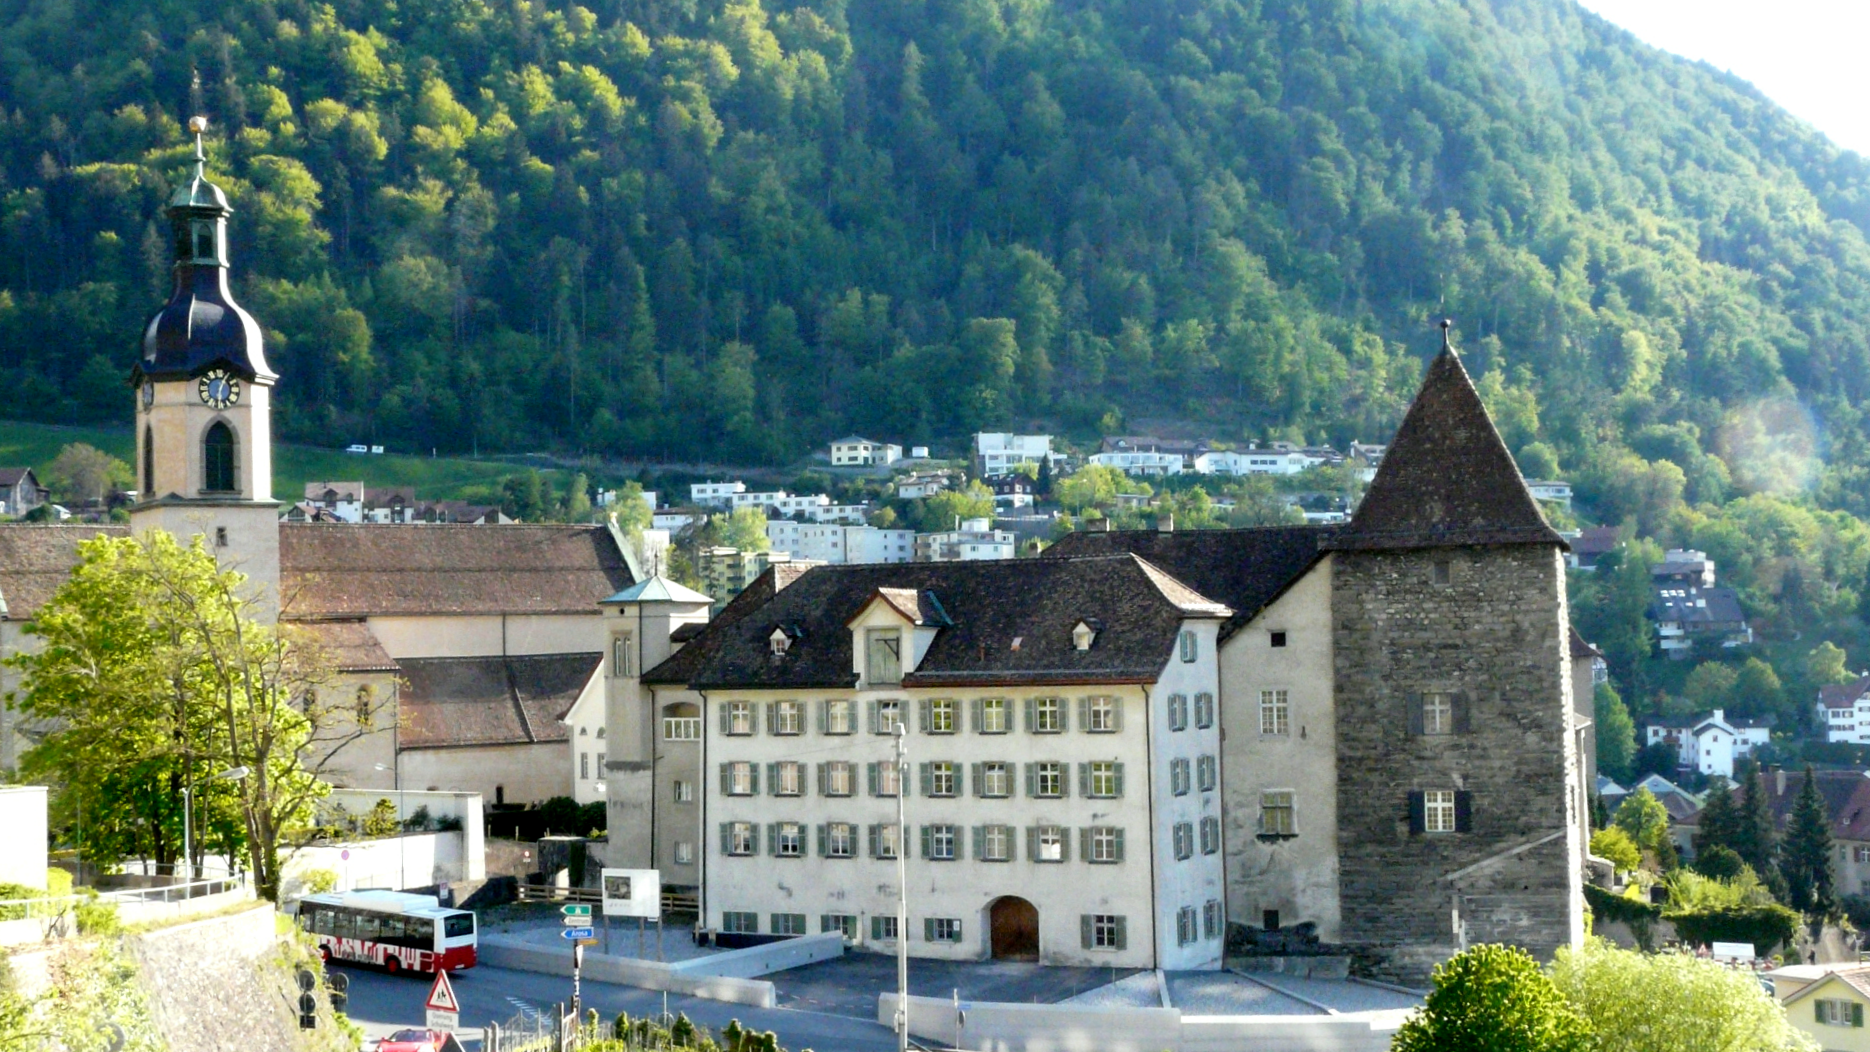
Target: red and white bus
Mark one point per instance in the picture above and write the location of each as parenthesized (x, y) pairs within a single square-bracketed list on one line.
[(389, 928)]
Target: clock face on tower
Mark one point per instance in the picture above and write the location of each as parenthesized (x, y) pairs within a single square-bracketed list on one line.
[(218, 388)]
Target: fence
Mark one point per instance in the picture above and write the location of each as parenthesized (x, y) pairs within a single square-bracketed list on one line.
[(672, 901)]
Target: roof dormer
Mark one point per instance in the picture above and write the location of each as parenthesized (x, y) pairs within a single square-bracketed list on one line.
[(891, 632), (1084, 633)]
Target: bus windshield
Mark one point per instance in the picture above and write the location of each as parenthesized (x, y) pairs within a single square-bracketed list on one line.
[(457, 925)]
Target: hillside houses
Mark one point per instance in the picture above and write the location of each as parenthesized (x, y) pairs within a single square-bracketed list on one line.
[(1689, 610)]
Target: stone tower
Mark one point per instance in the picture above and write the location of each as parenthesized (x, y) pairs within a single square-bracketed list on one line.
[(204, 438), (1456, 748)]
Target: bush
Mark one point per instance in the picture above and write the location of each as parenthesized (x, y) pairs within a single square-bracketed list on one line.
[(1493, 999), (1615, 846), (1669, 1002), (1639, 914), (593, 818), (561, 816), (381, 821), (1719, 862), (1766, 927), (96, 917), (319, 881)]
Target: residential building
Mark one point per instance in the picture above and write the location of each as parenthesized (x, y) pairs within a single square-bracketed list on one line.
[(912, 487), (1142, 462), (1010, 492), (20, 491), (1846, 798), (1279, 458), (849, 514), (342, 501), (726, 570), (677, 519), (1689, 610), (836, 543), (918, 452), (1826, 1003), (855, 451), (1589, 545), (1709, 743), (715, 494), (999, 452), (647, 754), (972, 539), (1551, 491), (1844, 711), (1050, 817)]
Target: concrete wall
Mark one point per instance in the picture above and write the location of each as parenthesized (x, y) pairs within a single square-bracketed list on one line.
[(1193, 882), (530, 773), (1297, 876), (14, 736), (674, 822), (964, 888), (414, 860), (1003, 1027), (479, 635), (23, 831), (725, 976), (645, 822), (1496, 634)]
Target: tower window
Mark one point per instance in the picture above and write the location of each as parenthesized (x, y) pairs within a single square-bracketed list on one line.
[(218, 459), (149, 464), (220, 536)]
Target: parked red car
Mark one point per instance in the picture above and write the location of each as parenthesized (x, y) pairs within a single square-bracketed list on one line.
[(416, 1040)]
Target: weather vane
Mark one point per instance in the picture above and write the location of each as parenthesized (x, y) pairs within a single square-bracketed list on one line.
[(199, 125)]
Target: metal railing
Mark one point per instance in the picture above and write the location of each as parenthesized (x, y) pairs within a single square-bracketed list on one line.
[(192, 889)]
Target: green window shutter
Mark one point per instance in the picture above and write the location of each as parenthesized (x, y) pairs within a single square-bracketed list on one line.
[(727, 838), (822, 783), (973, 771), (1119, 845), (1418, 810), (727, 778), (922, 715), (974, 710), (772, 778), (870, 769), (1084, 714), (1032, 842), (753, 772), (1414, 701), (928, 841), (1116, 713), (980, 841), (1464, 811), (1032, 780), (1857, 1013), (874, 841), (1012, 843), (1084, 930), (823, 840), (928, 779), (1032, 714), (1123, 935), (1084, 780), (772, 838), (1064, 844), (772, 717), (928, 929), (824, 716), (871, 708), (1084, 843), (1818, 1011), (1117, 789), (1064, 780), (721, 710)]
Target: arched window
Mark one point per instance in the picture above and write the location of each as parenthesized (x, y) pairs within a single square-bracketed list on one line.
[(149, 464), (218, 459)]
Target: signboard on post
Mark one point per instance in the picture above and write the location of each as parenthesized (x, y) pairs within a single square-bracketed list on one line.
[(632, 893), (444, 1010), (576, 916), (1734, 951)]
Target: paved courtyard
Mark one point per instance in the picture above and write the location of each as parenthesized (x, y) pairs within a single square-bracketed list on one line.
[(849, 985)]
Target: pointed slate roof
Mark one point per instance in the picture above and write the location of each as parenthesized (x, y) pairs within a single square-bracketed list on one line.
[(657, 589), (1447, 479)]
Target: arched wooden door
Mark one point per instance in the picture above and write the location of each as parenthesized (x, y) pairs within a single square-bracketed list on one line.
[(1015, 925)]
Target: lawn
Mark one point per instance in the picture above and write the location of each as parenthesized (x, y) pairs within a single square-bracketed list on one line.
[(432, 478)]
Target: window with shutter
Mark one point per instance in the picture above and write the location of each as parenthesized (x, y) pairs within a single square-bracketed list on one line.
[(1463, 811), (1461, 714), (993, 715), (1414, 704), (1418, 812)]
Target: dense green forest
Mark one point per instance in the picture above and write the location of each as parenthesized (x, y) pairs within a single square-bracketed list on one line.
[(733, 228)]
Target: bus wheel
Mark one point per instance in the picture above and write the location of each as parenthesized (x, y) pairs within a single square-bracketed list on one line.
[(393, 965)]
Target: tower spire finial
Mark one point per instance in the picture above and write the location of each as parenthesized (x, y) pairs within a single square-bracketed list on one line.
[(199, 125), (1446, 324)]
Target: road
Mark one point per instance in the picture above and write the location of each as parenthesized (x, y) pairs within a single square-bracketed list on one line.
[(381, 1003)]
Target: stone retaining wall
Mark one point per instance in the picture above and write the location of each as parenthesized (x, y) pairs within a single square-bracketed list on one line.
[(1001, 1027)]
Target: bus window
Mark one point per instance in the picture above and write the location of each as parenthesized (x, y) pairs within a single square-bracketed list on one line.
[(459, 925), (367, 927), (391, 930), (321, 920), (346, 926), (420, 932)]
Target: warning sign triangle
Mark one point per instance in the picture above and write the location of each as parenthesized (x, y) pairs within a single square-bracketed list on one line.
[(442, 995)]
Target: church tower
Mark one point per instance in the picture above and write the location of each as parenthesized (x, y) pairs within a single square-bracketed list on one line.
[(1458, 785), (203, 437)]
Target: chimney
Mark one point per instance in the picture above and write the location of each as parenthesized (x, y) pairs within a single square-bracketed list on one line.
[(1779, 780), (1166, 523)]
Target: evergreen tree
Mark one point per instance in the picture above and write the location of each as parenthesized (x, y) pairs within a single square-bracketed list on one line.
[(1754, 838), (1805, 862), (1042, 486), (1718, 825), (1616, 733)]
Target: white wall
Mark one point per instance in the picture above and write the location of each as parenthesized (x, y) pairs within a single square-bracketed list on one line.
[(1196, 880), (23, 831), (490, 634), (413, 860), (1297, 877), (529, 773)]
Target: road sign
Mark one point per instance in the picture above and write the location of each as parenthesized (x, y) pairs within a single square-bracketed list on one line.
[(575, 911), (578, 933), (446, 1022), (442, 995)]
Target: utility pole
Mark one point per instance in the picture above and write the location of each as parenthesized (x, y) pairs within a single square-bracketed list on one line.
[(902, 884)]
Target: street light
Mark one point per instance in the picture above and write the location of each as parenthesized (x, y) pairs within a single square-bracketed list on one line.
[(402, 847), (232, 774)]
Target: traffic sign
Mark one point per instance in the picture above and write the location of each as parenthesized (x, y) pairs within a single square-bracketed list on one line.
[(442, 995), (575, 911), (446, 1022), (578, 933)]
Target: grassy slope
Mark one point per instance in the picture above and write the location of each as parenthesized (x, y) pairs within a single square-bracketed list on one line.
[(443, 478)]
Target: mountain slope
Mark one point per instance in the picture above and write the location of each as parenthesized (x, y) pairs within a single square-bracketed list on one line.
[(644, 226)]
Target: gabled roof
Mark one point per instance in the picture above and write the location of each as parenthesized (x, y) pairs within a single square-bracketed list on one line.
[(1448, 479), (332, 570), (921, 609), (1856, 979), (36, 559), (1581, 649), (658, 589), (1010, 622), (491, 700), (11, 476), (1843, 695), (1245, 569)]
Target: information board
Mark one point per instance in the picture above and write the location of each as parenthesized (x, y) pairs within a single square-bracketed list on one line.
[(632, 893)]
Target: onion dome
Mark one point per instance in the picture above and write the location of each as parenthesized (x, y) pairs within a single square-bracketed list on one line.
[(201, 326)]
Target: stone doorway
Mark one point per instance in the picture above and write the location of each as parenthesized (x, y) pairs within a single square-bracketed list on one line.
[(1014, 923)]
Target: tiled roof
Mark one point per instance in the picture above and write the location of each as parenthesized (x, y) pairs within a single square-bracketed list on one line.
[(333, 570), (1846, 796), (1246, 569), (701, 641), (11, 476), (491, 700), (351, 645), (1447, 479), (1595, 541), (1854, 977), (1843, 695), (1581, 649), (35, 560), (1011, 622), (1716, 606)]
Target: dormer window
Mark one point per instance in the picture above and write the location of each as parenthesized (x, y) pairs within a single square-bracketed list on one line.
[(779, 642), (1083, 635)]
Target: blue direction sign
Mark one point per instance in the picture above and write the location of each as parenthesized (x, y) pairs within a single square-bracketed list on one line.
[(577, 933)]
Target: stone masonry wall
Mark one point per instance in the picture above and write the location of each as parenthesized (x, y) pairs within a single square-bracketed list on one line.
[(1494, 634)]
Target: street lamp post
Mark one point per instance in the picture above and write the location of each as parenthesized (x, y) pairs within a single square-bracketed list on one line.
[(402, 847)]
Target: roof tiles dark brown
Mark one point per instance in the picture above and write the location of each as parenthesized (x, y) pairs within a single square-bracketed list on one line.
[(36, 559), (346, 571), (1447, 479), (1010, 621), (1246, 569), (701, 641), (491, 700), (351, 645)]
